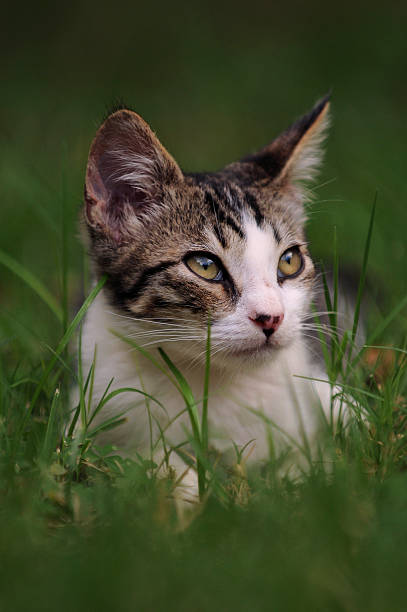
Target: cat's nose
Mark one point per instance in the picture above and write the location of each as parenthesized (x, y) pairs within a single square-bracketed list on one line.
[(268, 323)]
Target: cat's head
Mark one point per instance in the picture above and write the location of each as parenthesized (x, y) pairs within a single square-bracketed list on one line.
[(177, 246)]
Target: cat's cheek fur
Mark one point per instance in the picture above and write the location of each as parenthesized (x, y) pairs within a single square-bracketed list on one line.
[(296, 302)]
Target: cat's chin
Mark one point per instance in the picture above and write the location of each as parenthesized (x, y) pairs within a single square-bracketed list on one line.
[(246, 355), (233, 357)]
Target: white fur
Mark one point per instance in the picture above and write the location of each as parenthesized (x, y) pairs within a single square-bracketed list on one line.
[(139, 171), (270, 387), (251, 384), (261, 293)]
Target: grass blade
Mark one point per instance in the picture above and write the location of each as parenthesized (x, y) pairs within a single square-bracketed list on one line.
[(197, 440), (61, 346), (116, 392), (148, 355), (364, 269), (64, 249), (48, 445), (204, 422), (33, 282), (380, 328), (186, 393)]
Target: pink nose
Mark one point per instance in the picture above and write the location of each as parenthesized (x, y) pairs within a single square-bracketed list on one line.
[(268, 323)]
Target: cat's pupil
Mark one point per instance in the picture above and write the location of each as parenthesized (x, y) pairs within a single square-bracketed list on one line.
[(204, 262)]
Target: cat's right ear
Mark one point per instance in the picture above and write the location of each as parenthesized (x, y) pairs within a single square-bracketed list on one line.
[(295, 155), (127, 171)]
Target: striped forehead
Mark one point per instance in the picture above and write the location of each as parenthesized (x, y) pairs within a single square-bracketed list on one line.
[(230, 206)]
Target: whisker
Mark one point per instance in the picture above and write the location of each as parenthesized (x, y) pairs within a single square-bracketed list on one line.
[(319, 313), (325, 332), (323, 327), (167, 340), (164, 333), (324, 183), (153, 320)]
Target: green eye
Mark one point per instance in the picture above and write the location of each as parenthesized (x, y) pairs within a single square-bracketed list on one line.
[(290, 264), (205, 267)]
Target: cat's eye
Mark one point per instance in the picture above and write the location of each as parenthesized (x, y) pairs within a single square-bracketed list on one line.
[(291, 263), (205, 267)]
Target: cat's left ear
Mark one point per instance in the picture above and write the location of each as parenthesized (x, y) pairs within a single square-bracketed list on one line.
[(127, 173), (296, 154)]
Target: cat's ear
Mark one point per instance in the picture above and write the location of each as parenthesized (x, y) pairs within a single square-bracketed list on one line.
[(296, 154), (128, 169)]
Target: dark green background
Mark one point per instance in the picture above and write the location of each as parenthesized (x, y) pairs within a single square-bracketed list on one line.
[(215, 81)]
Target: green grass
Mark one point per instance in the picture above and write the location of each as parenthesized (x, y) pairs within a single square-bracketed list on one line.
[(85, 528), (82, 528)]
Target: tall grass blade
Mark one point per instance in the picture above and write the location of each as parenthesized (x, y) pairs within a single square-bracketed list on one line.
[(204, 421), (82, 403), (196, 442), (112, 394), (344, 386), (334, 314), (34, 283), (363, 272), (148, 356), (64, 245), (186, 394), (50, 434), (78, 408), (61, 346)]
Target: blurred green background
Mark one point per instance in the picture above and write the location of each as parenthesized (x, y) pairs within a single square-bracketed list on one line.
[(215, 81)]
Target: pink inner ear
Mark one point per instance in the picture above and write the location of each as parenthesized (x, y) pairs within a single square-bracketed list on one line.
[(95, 187), (96, 195), (110, 199), (127, 168)]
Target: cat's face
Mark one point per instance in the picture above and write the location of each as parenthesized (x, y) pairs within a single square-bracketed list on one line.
[(178, 247)]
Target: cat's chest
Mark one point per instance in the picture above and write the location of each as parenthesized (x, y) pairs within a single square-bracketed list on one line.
[(244, 405), (249, 405)]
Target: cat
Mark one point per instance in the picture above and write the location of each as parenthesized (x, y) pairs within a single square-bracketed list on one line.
[(178, 247)]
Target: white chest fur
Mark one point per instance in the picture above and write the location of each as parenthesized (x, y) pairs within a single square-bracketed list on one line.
[(243, 404)]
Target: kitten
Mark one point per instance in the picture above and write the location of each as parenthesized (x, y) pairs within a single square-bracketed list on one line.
[(178, 246)]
